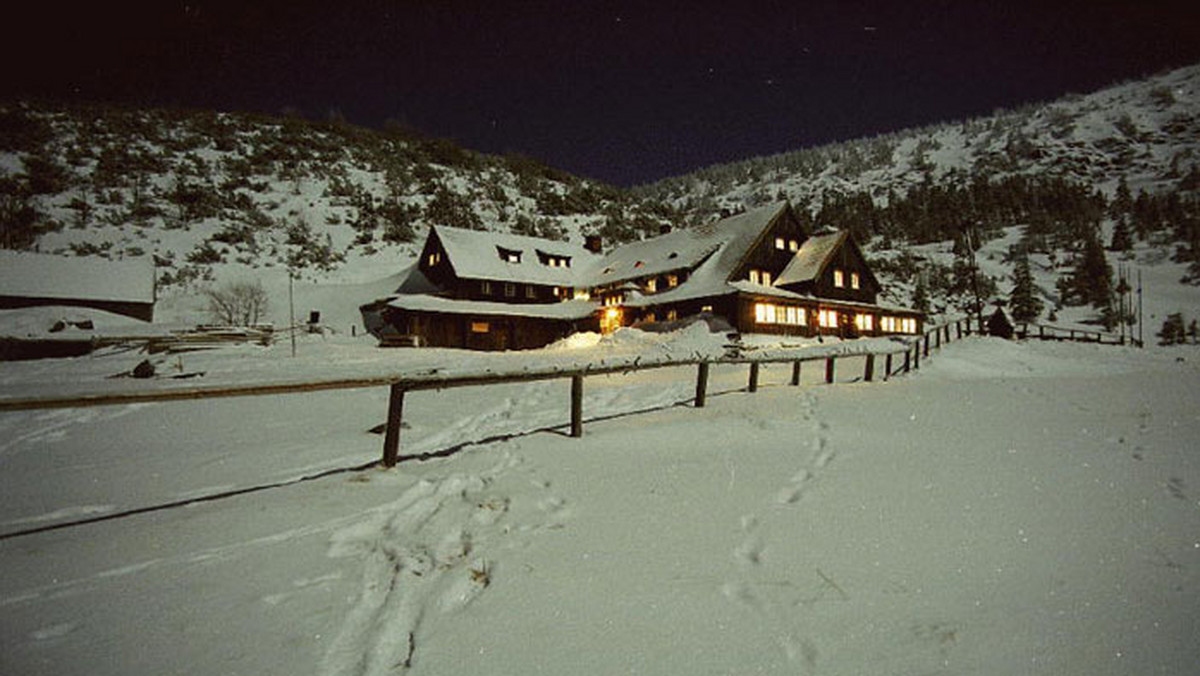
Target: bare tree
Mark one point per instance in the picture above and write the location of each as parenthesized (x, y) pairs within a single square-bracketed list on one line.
[(237, 303)]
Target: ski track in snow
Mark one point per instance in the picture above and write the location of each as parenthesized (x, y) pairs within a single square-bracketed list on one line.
[(774, 601), (427, 553)]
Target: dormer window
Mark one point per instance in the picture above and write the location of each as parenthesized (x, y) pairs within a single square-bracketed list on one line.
[(672, 281), (780, 243), (651, 285), (793, 245), (509, 255), (761, 277), (854, 282), (553, 260), (435, 258), (839, 279)]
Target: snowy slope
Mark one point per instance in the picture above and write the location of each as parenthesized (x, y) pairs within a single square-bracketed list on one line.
[(1010, 508)]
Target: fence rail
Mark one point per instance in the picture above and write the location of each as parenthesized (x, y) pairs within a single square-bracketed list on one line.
[(897, 360)]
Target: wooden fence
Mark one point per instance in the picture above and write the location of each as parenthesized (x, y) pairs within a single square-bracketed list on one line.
[(899, 359)]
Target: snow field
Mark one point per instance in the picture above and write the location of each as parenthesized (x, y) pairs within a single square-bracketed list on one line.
[(1011, 508)]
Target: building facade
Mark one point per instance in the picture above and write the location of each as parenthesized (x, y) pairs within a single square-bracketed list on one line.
[(760, 271)]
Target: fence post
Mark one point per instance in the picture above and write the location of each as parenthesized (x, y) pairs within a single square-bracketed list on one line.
[(887, 366), (701, 383), (958, 329), (391, 434), (1041, 332), (926, 345), (937, 333), (796, 372), (577, 406), (907, 360), (869, 369), (753, 385), (829, 369), (917, 355), (946, 328)]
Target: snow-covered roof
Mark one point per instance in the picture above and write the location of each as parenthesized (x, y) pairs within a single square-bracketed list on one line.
[(566, 310), (729, 238), (46, 276), (811, 259), (476, 254), (776, 292)]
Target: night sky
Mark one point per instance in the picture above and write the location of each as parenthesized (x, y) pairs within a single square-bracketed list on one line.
[(620, 91)]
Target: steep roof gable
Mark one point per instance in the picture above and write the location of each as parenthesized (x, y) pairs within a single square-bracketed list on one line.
[(720, 246), (811, 259)]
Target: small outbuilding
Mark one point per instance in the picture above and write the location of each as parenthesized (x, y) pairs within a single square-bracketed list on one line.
[(32, 279)]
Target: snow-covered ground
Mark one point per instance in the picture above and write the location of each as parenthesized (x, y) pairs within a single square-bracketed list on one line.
[(1010, 508)]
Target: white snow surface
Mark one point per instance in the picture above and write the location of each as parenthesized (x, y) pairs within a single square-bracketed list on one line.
[(1008, 508)]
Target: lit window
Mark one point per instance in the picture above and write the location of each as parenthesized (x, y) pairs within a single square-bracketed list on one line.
[(789, 316), (764, 313), (779, 243), (853, 280), (766, 278), (672, 315), (706, 308), (754, 277), (887, 324), (827, 318), (864, 322), (479, 327), (651, 285), (650, 318), (672, 281), (793, 245), (839, 278)]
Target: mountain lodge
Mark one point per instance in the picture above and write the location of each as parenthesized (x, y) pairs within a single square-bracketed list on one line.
[(758, 271)]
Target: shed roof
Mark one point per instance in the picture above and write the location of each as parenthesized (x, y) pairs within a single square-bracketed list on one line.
[(35, 275)]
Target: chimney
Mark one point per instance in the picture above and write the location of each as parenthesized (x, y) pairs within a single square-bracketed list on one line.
[(664, 228), (593, 243)]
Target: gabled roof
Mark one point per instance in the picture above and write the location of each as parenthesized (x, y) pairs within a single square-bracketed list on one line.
[(475, 254), (811, 259), (35, 275), (567, 310), (717, 248)]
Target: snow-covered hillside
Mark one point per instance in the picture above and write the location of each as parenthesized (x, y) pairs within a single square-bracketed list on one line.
[(1009, 508), (1147, 131)]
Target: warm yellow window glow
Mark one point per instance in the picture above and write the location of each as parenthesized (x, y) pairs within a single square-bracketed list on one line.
[(755, 278), (779, 243), (582, 294), (766, 278), (479, 327), (764, 313), (887, 324), (827, 318), (706, 308), (839, 278), (672, 315), (853, 280), (651, 285), (793, 245), (864, 322), (672, 280), (612, 313)]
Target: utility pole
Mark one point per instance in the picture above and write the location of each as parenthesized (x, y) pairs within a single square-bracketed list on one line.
[(1141, 340), (291, 312)]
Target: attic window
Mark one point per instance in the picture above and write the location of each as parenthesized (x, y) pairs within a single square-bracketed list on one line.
[(780, 243), (509, 255), (639, 264), (839, 279), (854, 280), (793, 245), (553, 260)]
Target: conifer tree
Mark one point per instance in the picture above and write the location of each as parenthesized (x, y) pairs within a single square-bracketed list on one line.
[(1092, 277), (1024, 304), (1121, 241), (1172, 331), (920, 298), (1122, 203)]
